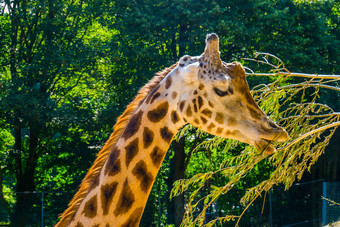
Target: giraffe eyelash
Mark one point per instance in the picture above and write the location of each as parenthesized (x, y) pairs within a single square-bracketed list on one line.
[(220, 93)]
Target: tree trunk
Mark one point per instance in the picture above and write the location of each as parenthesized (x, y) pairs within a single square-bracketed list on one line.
[(179, 160), (1, 188), (25, 198), (173, 46), (182, 40), (25, 179), (179, 147), (3, 202), (16, 219)]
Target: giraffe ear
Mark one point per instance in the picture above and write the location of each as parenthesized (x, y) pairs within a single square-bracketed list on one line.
[(190, 73)]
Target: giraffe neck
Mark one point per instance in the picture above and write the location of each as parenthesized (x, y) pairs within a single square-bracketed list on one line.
[(120, 192), (211, 95)]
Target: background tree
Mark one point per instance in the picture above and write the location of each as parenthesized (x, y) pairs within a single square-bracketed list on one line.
[(50, 72), (69, 68)]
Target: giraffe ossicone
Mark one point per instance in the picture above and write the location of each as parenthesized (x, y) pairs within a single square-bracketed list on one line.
[(203, 91)]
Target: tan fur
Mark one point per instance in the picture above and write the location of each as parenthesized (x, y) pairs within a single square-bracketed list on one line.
[(93, 173), (230, 113)]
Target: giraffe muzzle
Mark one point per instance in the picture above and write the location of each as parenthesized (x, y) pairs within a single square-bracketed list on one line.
[(265, 144)]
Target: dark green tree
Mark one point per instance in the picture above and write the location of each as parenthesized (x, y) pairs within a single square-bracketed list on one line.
[(49, 78)]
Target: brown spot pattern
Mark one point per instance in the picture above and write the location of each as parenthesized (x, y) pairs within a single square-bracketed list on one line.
[(181, 105), (166, 134), (113, 163), (196, 121), (219, 117), (254, 113), (174, 95), (168, 82), (134, 218), (235, 132), (95, 182), (188, 112), (155, 96), (107, 193), (211, 104), (126, 199), (157, 156), (148, 136), (211, 126), (200, 102), (133, 125), (131, 151), (203, 120), (143, 175), (201, 86), (219, 130), (90, 208), (195, 105), (174, 117), (231, 121), (79, 224), (151, 94), (159, 112), (207, 112)]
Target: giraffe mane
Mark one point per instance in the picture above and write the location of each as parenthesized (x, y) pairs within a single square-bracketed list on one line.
[(93, 173)]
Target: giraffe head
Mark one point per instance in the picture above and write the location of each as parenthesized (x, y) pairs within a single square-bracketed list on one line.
[(216, 99)]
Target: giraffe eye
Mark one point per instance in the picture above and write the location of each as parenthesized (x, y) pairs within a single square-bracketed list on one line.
[(220, 93)]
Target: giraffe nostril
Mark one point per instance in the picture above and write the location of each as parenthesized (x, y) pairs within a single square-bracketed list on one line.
[(272, 124)]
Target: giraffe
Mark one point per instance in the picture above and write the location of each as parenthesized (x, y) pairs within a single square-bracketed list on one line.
[(203, 91)]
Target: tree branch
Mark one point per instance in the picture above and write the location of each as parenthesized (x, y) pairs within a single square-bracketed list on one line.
[(310, 85), (305, 75), (332, 125)]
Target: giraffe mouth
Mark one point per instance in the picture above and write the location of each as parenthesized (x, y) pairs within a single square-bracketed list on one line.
[(266, 146)]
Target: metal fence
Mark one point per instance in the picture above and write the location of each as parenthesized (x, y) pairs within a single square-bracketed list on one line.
[(298, 206), (313, 203), (331, 202), (45, 209)]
